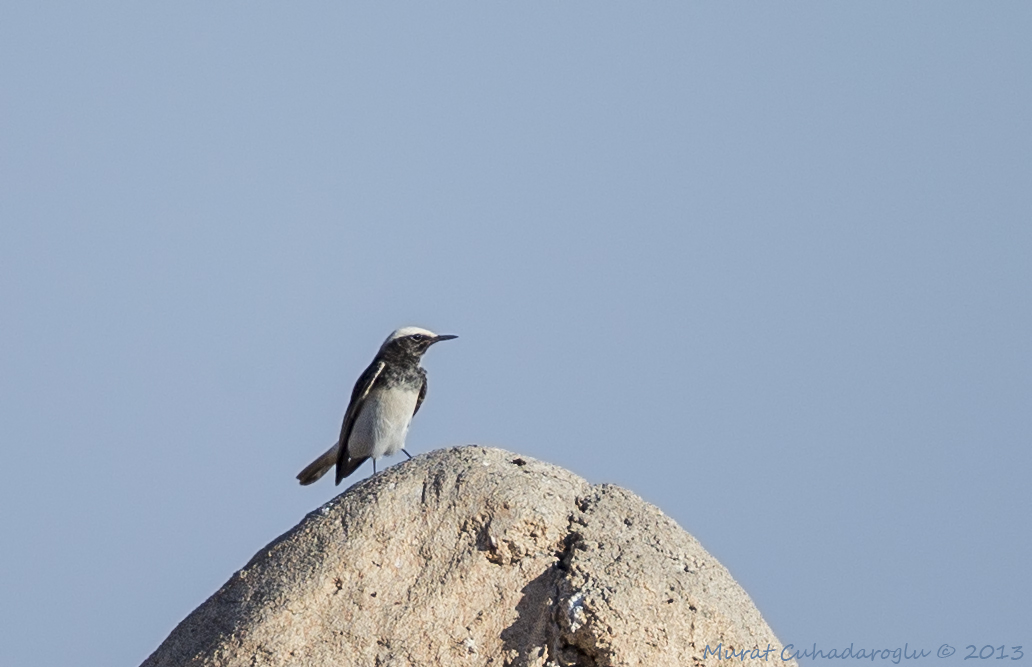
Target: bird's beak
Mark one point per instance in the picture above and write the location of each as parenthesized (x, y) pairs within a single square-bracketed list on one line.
[(438, 339)]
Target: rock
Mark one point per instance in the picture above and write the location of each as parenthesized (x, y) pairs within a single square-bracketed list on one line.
[(475, 556)]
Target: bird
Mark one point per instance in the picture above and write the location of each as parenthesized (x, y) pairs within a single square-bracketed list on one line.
[(385, 398)]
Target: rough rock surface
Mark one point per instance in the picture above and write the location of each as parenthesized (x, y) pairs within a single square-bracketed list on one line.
[(475, 556)]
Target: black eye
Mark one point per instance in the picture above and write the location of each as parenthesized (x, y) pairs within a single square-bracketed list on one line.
[(419, 338)]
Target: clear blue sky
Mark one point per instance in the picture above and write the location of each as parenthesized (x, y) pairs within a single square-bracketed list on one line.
[(766, 264)]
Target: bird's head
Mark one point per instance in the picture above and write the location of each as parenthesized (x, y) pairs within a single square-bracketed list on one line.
[(411, 341)]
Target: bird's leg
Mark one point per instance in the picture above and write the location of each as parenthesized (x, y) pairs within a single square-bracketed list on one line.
[(406, 453), (374, 466)]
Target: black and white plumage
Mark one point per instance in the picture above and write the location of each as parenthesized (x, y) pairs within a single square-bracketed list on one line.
[(385, 398)]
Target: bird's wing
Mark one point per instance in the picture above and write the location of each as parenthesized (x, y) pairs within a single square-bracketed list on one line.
[(422, 392), (358, 396)]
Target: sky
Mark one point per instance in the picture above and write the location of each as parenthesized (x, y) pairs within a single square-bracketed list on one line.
[(767, 265)]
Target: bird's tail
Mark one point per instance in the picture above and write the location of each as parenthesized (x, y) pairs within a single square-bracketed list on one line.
[(347, 465), (319, 467)]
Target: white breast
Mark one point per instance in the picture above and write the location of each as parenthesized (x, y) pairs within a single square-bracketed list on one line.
[(381, 426)]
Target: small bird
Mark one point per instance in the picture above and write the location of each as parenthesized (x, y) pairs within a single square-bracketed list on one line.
[(385, 398)]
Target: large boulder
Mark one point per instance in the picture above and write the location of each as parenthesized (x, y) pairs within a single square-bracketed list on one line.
[(476, 556)]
